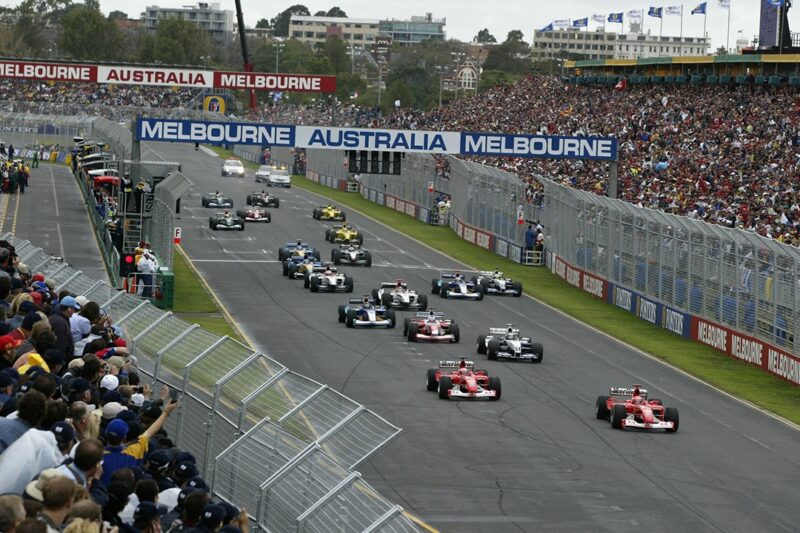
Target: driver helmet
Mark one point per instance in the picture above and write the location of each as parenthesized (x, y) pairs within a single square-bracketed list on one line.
[(637, 400), (365, 300), (459, 275), (496, 272), (216, 193), (399, 284), (431, 315), (227, 214), (299, 242)]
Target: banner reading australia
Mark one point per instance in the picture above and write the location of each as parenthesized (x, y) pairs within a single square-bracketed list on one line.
[(432, 142)]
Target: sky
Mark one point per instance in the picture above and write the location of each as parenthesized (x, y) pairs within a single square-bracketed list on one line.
[(465, 17)]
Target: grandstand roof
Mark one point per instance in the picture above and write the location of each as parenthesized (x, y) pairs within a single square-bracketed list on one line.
[(686, 60)]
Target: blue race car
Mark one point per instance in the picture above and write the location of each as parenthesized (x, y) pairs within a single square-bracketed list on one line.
[(360, 312), (455, 285)]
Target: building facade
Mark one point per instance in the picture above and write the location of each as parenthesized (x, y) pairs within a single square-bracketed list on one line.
[(358, 33), (636, 45), (414, 31), (217, 22)]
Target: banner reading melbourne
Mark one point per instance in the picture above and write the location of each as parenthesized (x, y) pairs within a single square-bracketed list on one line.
[(432, 142)]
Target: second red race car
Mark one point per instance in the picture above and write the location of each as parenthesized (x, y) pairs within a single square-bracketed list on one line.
[(630, 408), (459, 379), (431, 326)]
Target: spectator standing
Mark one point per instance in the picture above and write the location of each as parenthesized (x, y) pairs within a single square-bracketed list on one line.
[(30, 411), (60, 324), (58, 494), (12, 512), (530, 238), (32, 453)]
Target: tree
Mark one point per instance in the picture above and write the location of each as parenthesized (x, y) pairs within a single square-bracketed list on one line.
[(262, 23), (484, 37), (281, 22), (493, 78), (321, 13), (336, 52), (514, 35), (336, 12), (398, 90), (117, 15), (87, 34), (177, 42), (511, 56)]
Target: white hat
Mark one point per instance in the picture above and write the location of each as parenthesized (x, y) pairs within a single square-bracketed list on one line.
[(137, 399), (112, 409), (82, 300), (109, 382)]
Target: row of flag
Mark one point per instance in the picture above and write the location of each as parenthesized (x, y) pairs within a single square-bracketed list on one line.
[(636, 15)]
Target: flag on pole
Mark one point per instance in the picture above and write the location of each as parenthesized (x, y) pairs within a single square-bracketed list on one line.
[(599, 18), (549, 27), (673, 10), (615, 17), (561, 23), (700, 9), (635, 15), (581, 23), (655, 12), (725, 4)]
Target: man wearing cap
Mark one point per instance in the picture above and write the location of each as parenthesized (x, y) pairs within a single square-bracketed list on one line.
[(59, 322), (147, 518), (8, 346), (211, 519), (80, 326), (8, 378), (32, 453), (30, 411), (23, 332)]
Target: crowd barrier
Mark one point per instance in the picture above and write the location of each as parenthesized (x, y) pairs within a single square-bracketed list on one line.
[(278, 443)]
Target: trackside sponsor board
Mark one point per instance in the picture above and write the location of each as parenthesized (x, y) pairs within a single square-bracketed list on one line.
[(261, 81), (649, 310), (551, 147), (328, 138), (154, 76), (748, 349), (597, 287), (29, 70)]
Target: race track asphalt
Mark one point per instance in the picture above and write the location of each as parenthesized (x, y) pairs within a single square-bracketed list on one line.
[(535, 460)]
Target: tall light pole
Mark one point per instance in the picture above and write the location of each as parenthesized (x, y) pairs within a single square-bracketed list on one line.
[(441, 71), (278, 48)]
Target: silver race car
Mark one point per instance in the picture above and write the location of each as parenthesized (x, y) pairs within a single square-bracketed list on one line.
[(493, 282), (360, 312), (217, 200), (226, 221), (506, 343), (454, 285), (327, 279), (396, 294), (351, 254)]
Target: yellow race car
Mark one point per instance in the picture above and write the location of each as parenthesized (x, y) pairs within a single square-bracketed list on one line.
[(329, 212), (344, 233)]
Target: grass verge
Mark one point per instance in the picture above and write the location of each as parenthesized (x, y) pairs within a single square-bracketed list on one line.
[(737, 378)]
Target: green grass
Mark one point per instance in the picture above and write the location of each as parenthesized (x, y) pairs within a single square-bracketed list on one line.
[(737, 378)]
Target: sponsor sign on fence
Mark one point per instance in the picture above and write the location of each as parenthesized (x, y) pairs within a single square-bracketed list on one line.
[(649, 310), (597, 287)]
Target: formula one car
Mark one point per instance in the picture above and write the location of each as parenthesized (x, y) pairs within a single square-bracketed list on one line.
[(459, 379), (252, 213), (431, 326), (359, 312), (351, 254), (329, 212), (344, 233), (263, 199), (297, 267), (630, 408), (217, 200), (493, 282), (506, 343), (455, 286), (226, 221), (327, 279), (232, 167), (397, 294), (298, 248)]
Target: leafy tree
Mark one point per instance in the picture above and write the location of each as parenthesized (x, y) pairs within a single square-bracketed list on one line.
[(117, 15), (347, 84), (515, 35), (336, 52), (87, 34), (484, 37), (336, 12), (398, 90), (321, 13), (492, 78), (177, 42), (281, 22), (262, 23), (296, 57), (512, 56)]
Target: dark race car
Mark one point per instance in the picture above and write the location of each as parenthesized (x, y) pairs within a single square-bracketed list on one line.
[(360, 312), (217, 200), (252, 213), (459, 379), (351, 254), (297, 267), (630, 408), (454, 285), (226, 221), (263, 199), (493, 282), (297, 248), (506, 343)]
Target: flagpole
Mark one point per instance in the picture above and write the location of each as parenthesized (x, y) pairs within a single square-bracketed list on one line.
[(705, 44), (728, 38), (660, 33), (641, 32), (681, 46)]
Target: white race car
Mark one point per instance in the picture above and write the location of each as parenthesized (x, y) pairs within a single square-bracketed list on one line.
[(351, 254), (493, 282), (396, 294), (506, 343), (327, 279), (359, 312), (456, 286)]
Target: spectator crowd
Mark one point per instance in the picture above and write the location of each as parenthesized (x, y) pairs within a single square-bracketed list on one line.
[(83, 444)]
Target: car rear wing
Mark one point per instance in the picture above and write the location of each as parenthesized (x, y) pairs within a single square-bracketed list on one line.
[(426, 314), (456, 364), (626, 391), (447, 275), (295, 245), (503, 331), (344, 245), (322, 268), (390, 284), (490, 274), (358, 300)]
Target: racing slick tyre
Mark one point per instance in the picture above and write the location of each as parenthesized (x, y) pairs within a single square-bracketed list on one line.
[(601, 408), (313, 284), (406, 322), (344, 217), (456, 333), (240, 213), (518, 288), (367, 259), (443, 291), (212, 224), (336, 257), (306, 280), (483, 286), (391, 317), (618, 414), (287, 268), (422, 302), (538, 350), (204, 202), (350, 319), (277, 203), (671, 415), (241, 227), (360, 239), (430, 380), (481, 344), (492, 349), (249, 200), (317, 255), (480, 291), (375, 297), (494, 384), (435, 286), (342, 313), (348, 284), (445, 384), (386, 299), (413, 330), (281, 254), (269, 217), (474, 279), (328, 235), (315, 214)]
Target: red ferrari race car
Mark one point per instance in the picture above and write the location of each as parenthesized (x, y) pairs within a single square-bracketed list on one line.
[(431, 326), (630, 408), (459, 379)]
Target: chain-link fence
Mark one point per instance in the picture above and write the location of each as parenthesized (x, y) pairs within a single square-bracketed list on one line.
[(268, 439)]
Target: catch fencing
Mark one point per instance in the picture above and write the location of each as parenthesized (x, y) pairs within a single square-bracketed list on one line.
[(278, 443)]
